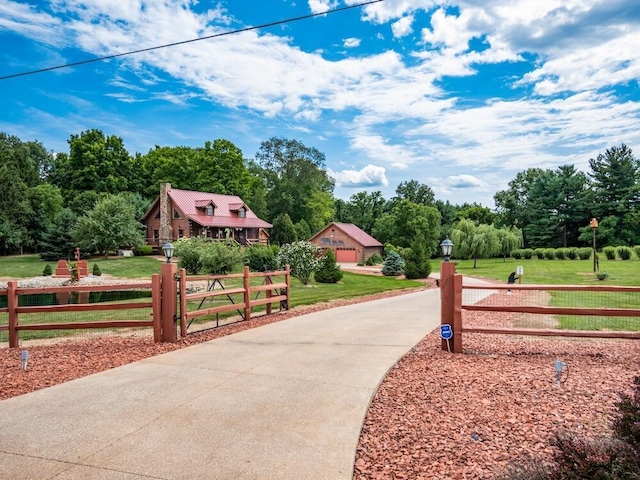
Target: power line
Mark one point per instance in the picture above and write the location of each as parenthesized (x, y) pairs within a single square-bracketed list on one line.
[(133, 52)]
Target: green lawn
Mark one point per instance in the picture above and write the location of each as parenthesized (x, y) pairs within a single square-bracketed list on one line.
[(25, 266), (554, 272)]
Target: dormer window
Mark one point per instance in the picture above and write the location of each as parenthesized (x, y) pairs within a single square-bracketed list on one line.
[(242, 212), (210, 210)]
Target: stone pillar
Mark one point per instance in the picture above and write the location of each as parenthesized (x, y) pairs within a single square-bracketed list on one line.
[(166, 231)]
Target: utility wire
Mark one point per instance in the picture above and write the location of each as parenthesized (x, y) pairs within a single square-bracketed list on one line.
[(133, 52)]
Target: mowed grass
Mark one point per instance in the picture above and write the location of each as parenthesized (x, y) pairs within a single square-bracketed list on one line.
[(571, 272)]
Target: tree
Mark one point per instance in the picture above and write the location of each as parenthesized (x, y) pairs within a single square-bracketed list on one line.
[(294, 175), (283, 230), (512, 205), (414, 192), (302, 257), (95, 162), (111, 224), (46, 205), (393, 265), (509, 239), (363, 209), (616, 186), (303, 232), (477, 213), (57, 241), (474, 241), (328, 271), (407, 220), (416, 262)]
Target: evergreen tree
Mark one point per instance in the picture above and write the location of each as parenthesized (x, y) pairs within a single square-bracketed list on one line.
[(328, 271), (392, 265), (417, 263), (283, 230), (57, 241)]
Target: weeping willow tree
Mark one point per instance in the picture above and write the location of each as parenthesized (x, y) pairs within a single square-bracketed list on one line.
[(475, 241), (510, 238)]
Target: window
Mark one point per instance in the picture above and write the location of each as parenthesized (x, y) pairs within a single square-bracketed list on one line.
[(155, 235), (210, 210), (180, 233), (242, 212), (176, 214)]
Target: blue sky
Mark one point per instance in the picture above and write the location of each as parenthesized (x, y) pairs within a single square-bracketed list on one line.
[(458, 95)]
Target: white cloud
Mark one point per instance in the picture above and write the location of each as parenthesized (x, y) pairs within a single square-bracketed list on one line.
[(351, 42), (319, 6), (369, 176), (463, 181), (402, 27)]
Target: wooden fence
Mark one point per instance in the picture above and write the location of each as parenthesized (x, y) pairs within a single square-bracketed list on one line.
[(164, 300), (452, 306)]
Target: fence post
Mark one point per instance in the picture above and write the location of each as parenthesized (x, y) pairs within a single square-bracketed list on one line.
[(12, 304), (287, 279), (169, 300), (156, 300), (456, 319), (268, 293), (246, 284), (447, 271), (183, 302)]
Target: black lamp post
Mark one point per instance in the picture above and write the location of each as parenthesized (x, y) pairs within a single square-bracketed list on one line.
[(168, 249), (594, 225), (447, 247)]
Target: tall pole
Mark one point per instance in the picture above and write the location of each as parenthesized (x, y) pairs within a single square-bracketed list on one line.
[(594, 225)]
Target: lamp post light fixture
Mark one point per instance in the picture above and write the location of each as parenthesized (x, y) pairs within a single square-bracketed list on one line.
[(168, 249), (594, 225), (447, 247)]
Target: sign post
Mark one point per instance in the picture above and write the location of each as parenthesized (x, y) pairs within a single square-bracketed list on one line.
[(520, 272), (446, 333)]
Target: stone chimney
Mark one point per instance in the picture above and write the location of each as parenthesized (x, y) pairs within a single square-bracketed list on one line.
[(166, 231)]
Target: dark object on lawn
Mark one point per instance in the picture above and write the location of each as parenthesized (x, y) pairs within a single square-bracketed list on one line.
[(512, 278)]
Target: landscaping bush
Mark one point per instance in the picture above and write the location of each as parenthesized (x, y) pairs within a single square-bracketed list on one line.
[(96, 270), (571, 253), (560, 253), (517, 254), (636, 249), (328, 271), (261, 258), (624, 252), (549, 253), (609, 252), (527, 253), (302, 257), (143, 250), (374, 259), (220, 258), (393, 265), (189, 251), (602, 275), (47, 271), (539, 253), (584, 253)]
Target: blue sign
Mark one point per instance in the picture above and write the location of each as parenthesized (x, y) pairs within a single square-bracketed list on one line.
[(446, 333)]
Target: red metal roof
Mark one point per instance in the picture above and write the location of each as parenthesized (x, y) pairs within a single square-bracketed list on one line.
[(355, 232), (186, 201)]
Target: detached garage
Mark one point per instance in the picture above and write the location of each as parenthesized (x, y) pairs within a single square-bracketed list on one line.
[(350, 243)]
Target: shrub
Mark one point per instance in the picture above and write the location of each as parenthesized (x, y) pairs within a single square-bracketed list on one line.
[(539, 252), (374, 259), (572, 253), (527, 253), (417, 263), (143, 250), (393, 265), (624, 253), (609, 252), (584, 253), (302, 257), (47, 271), (636, 249), (517, 254), (220, 258), (96, 270), (328, 271), (602, 275), (626, 421), (549, 253), (560, 253), (261, 258), (189, 251)]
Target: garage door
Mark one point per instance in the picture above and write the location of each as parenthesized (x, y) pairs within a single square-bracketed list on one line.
[(346, 256)]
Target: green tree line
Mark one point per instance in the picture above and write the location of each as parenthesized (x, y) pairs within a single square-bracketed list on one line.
[(55, 202)]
